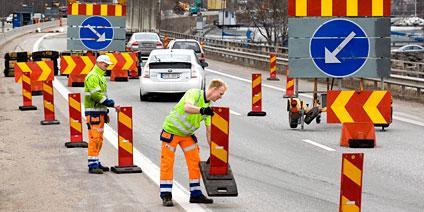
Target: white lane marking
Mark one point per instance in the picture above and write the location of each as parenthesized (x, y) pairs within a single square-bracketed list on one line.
[(408, 121), (37, 43), (179, 193), (319, 145), (235, 113), (308, 96)]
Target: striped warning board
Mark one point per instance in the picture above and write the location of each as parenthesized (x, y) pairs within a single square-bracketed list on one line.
[(219, 141), (75, 119), (256, 96), (125, 143), (124, 61), (97, 9), (39, 71), (351, 182), (339, 8), (359, 106), (76, 65)]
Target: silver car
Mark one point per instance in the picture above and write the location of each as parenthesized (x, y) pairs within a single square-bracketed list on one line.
[(188, 44), (409, 48), (144, 42), (171, 71)]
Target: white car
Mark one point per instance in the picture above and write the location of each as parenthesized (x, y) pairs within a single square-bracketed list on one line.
[(409, 48), (171, 71)]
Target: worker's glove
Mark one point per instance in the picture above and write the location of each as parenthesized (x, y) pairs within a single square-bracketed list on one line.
[(109, 103), (206, 111)]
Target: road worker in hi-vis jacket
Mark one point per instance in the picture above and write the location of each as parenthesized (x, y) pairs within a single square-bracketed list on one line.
[(178, 129), (96, 103)]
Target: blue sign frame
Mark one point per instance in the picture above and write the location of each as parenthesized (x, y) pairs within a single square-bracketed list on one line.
[(96, 33), (339, 48)]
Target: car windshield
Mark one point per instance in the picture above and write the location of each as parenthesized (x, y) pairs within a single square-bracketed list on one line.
[(170, 58), (145, 36), (187, 45)]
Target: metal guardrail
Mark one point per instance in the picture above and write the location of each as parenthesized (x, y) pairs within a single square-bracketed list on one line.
[(405, 75)]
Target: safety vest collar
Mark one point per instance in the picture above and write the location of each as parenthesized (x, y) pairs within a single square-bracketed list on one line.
[(98, 70), (204, 96)]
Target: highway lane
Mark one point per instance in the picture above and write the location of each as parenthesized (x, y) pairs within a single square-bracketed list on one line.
[(274, 168)]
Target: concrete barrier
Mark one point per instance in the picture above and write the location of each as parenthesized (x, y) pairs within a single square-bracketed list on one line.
[(17, 32)]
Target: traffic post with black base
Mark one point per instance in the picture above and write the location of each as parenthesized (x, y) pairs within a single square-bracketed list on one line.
[(125, 143), (216, 172), (256, 96), (75, 122), (48, 100)]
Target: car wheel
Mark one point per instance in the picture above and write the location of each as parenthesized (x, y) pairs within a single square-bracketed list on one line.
[(143, 97)]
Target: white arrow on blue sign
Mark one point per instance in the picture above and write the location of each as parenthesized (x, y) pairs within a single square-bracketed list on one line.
[(339, 48), (96, 33)]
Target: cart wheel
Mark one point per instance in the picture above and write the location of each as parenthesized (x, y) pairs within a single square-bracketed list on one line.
[(288, 105), (302, 119), (318, 119), (293, 123)]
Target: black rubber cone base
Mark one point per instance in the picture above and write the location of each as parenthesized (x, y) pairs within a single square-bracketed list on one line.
[(126, 169), (289, 96), (256, 113), (78, 84), (81, 144), (218, 185), (24, 108), (273, 79), (361, 143), (37, 93), (51, 122), (121, 79)]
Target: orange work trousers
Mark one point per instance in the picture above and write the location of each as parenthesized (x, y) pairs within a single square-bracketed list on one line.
[(95, 125), (191, 153)]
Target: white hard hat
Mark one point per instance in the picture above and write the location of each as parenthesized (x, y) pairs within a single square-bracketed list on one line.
[(104, 58)]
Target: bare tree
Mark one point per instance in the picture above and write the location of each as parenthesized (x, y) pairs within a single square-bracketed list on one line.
[(270, 19)]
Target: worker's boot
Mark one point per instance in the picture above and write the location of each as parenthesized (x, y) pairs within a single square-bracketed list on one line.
[(95, 171), (167, 201), (201, 199), (311, 115), (104, 168)]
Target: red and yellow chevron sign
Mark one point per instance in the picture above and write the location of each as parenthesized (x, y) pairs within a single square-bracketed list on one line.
[(124, 61), (39, 71), (339, 8), (351, 182), (219, 141), (125, 137), (359, 106), (97, 9), (76, 65)]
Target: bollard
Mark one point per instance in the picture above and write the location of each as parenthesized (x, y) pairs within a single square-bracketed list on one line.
[(26, 92), (289, 86), (75, 122), (217, 175), (351, 182), (48, 100), (125, 143), (256, 96), (273, 66)]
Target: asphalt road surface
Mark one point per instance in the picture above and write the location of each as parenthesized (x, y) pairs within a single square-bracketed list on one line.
[(277, 168)]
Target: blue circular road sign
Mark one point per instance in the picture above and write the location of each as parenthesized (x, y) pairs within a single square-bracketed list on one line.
[(96, 33), (339, 48)]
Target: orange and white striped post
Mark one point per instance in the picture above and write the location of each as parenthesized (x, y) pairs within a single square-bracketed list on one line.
[(273, 66), (75, 122), (26, 92), (125, 143), (48, 100), (351, 182), (289, 86), (256, 96), (217, 175)]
